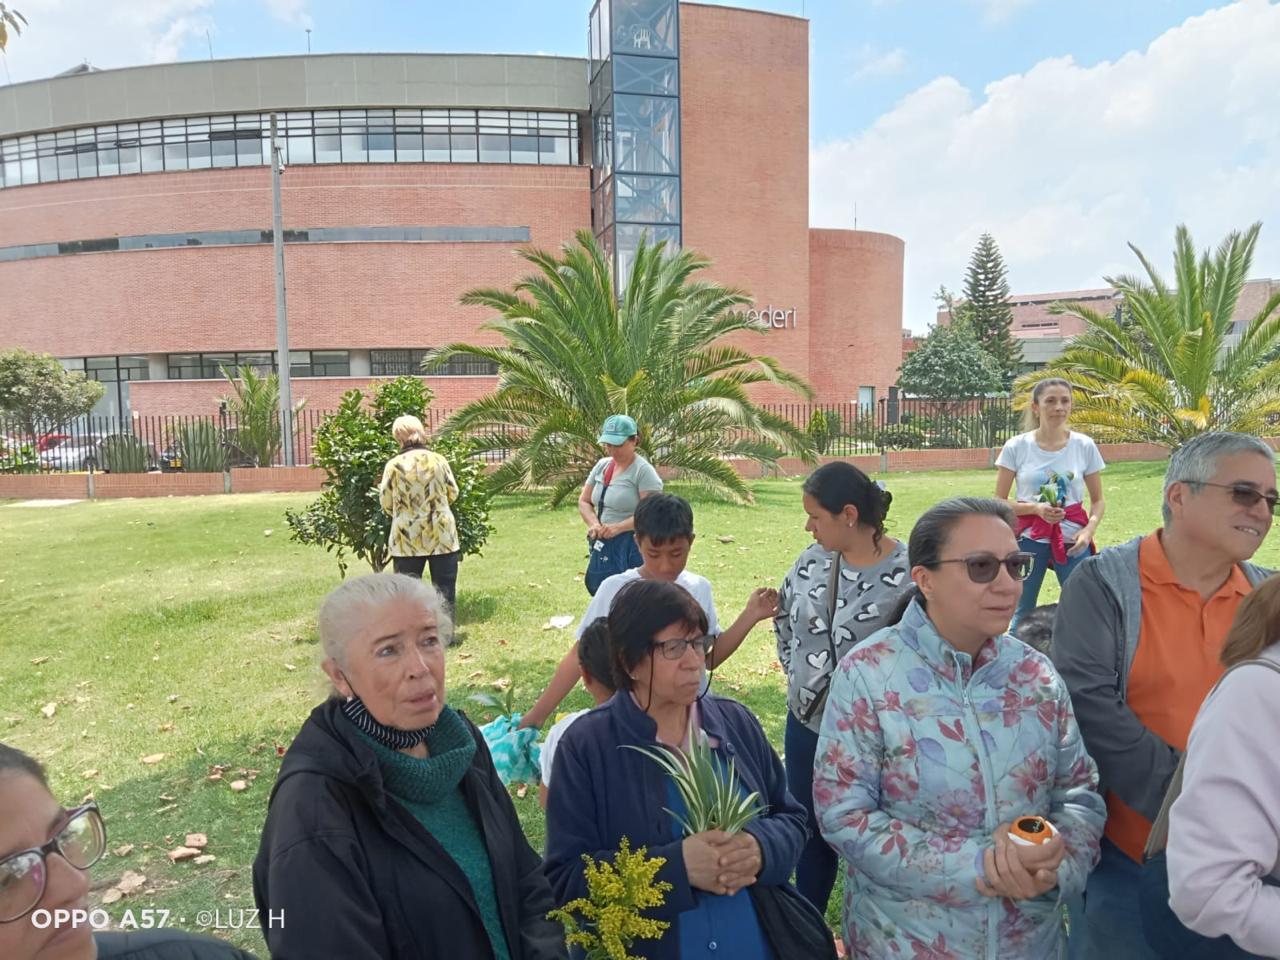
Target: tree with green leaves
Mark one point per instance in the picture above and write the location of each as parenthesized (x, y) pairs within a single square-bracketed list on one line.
[(949, 365), (39, 394), (986, 307), (574, 352), (10, 20), (254, 403), (1168, 369), (352, 446)]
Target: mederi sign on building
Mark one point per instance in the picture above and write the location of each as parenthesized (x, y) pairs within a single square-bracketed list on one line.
[(135, 205)]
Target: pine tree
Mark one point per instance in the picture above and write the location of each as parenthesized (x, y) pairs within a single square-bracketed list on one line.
[(989, 315)]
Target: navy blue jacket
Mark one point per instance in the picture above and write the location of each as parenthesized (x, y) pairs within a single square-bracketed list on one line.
[(601, 793)]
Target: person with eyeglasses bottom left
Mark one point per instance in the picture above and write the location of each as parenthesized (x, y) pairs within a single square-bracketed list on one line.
[(46, 851), (940, 731)]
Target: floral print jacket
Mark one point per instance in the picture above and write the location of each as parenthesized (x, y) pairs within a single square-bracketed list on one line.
[(923, 752)]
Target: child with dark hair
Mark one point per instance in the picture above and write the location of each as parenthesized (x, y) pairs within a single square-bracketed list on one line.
[(595, 663), (664, 534)]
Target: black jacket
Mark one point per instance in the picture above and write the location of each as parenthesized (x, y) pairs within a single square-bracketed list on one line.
[(164, 945), (358, 878)]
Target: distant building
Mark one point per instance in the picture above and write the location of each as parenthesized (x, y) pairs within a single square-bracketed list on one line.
[(1044, 335)]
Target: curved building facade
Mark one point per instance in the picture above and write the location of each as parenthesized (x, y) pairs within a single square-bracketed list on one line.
[(135, 207)]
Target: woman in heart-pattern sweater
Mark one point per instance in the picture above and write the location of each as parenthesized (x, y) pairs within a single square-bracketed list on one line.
[(816, 625)]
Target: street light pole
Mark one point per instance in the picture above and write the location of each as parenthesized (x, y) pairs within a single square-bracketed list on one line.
[(282, 317)]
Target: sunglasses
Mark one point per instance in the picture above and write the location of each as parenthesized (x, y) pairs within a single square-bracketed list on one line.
[(1242, 495), (983, 567), (81, 841), (674, 649)]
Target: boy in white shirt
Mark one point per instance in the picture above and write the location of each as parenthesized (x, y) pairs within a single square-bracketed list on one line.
[(595, 662), (664, 534)]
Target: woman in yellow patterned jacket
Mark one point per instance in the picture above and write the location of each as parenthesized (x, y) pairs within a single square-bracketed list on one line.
[(416, 490)]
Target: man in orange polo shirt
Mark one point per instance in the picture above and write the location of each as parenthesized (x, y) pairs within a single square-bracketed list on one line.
[(1138, 632)]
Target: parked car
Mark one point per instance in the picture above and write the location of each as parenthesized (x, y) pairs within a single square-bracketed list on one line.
[(86, 452), (73, 453)]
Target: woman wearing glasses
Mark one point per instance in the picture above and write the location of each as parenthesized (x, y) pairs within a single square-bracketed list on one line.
[(45, 853), (658, 638), (941, 730), (1052, 467)]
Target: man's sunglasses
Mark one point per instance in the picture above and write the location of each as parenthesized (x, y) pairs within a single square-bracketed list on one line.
[(1241, 494), (81, 841), (983, 567)]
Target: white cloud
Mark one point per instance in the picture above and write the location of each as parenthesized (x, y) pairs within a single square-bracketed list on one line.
[(290, 11), (998, 11), (870, 62), (1064, 164), (64, 33)]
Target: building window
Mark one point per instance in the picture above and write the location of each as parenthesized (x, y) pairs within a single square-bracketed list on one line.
[(319, 363), (302, 363), (308, 136), (407, 363), (866, 399), (115, 374)]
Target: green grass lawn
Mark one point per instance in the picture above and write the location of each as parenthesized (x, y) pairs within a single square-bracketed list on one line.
[(184, 627)]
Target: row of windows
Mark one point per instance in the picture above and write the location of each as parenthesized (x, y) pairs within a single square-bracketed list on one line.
[(307, 136), (302, 363), (399, 363)]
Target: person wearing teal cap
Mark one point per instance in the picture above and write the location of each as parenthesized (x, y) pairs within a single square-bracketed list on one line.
[(615, 485)]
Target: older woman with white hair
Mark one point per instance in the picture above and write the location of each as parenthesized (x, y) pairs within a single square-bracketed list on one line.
[(416, 490), (388, 832)]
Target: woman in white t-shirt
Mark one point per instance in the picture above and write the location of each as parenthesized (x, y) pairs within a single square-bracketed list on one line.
[(1051, 462)]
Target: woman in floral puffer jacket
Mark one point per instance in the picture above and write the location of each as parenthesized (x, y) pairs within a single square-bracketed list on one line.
[(939, 731)]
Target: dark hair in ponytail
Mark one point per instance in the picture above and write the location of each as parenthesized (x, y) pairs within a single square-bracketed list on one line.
[(932, 532), (838, 484)]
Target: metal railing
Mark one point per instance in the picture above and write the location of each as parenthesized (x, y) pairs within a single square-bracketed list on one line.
[(219, 441)]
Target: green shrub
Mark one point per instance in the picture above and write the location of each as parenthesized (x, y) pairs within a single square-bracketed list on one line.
[(352, 446), (824, 426), (123, 453), (901, 437), (201, 445)]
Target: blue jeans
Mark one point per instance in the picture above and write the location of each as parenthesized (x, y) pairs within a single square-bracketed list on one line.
[(816, 870), (1031, 586), (1110, 927)]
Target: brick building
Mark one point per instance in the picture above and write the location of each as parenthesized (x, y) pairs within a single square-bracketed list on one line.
[(135, 213), (1044, 335)]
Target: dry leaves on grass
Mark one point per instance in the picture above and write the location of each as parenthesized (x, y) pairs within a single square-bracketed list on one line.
[(36, 661), (152, 759), (49, 709), (123, 850), (130, 882)]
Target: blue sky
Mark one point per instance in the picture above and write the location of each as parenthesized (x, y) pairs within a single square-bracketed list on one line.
[(1067, 128)]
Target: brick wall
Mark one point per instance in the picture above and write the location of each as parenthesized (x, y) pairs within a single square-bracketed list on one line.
[(298, 479), (361, 295), (855, 295), (744, 102)]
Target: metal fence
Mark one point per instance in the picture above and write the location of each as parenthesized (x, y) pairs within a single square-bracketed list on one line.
[(902, 423), (217, 442)]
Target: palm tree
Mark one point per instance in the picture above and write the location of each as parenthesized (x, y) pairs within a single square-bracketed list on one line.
[(1166, 369), (10, 19), (575, 353)]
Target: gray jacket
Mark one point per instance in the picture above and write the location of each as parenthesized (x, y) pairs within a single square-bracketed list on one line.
[(1095, 638)]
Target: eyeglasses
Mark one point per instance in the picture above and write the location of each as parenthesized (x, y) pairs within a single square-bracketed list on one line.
[(983, 567), (674, 649), (81, 841), (1242, 495)]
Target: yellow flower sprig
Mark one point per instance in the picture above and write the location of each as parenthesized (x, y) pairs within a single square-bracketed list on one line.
[(607, 921)]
